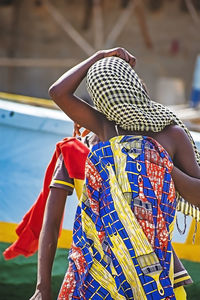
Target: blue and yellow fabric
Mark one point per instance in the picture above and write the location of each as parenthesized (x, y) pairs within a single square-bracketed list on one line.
[(122, 232)]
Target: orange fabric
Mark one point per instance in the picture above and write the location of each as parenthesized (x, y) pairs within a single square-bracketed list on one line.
[(74, 153)]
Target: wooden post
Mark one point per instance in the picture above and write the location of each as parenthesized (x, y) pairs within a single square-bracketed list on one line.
[(192, 12), (14, 28), (139, 10), (14, 41), (87, 14), (98, 24)]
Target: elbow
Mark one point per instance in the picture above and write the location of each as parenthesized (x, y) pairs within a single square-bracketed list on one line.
[(53, 91), (196, 202), (193, 199), (56, 94)]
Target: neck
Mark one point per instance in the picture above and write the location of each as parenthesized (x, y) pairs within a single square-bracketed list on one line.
[(115, 130)]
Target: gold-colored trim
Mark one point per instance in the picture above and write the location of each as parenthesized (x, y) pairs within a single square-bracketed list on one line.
[(63, 182)]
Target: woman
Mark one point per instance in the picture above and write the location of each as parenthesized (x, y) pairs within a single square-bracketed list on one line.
[(122, 232)]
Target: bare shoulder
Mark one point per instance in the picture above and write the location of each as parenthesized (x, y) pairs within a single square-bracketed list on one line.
[(171, 137), (176, 131), (177, 137), (180, 140)]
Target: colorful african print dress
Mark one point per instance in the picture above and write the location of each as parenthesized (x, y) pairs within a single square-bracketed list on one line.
[(123, 226)]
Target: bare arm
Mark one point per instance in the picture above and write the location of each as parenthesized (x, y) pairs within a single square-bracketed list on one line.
[(186, 173), (62, 92), (48, 242), (188, 187)]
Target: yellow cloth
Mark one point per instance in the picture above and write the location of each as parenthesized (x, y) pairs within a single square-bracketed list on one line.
[(78, 184), (180, 293)]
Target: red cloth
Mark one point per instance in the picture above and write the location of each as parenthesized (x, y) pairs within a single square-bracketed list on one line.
[(74, 153)]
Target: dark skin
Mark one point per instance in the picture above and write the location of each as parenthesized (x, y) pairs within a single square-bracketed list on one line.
[(49, 236), (48, 242), (186, 172)]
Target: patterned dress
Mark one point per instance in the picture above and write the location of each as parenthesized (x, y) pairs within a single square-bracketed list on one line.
[(123, 226)]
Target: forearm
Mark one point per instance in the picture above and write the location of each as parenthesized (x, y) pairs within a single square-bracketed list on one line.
[(70, 80), (48, 240), (187, 186), (46, 253), (63, 92)]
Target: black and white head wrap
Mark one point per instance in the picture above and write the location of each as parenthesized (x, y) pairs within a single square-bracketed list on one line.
[(119, 94)]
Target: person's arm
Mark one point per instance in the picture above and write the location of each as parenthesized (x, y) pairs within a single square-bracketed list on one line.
[(48, 242), (187, 186), (186, 171), (62, 91)]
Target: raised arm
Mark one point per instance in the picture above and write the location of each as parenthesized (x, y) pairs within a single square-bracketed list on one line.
[(62, 91)]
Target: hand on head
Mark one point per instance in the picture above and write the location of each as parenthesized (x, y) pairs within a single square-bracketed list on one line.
[(121, 53)]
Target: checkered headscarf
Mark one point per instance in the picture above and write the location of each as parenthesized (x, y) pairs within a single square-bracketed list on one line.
[(119, 94)]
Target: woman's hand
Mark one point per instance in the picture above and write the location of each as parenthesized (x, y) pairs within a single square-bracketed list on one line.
[(122, 53), (41, 295), (77, 131)]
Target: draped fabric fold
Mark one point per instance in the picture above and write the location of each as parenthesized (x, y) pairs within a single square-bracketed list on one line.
[(74, 153), (123, 226)]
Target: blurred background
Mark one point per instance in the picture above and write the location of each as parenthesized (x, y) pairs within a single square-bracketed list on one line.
[(40, 40)]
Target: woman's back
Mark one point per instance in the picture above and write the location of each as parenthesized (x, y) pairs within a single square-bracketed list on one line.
[(164, 137), (141, 167), (124, 222)]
